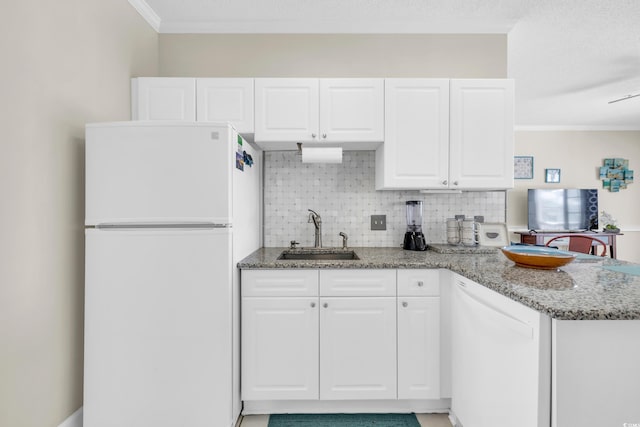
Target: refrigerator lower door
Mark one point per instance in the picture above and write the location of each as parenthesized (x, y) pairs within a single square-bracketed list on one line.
[(158, 333)]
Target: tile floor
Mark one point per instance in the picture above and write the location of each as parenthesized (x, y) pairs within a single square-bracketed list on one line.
[(426, 420)]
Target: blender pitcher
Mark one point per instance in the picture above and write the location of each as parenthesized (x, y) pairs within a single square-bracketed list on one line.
[(413, 238)]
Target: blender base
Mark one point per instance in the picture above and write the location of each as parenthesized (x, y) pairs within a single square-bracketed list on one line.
[(414, 241)]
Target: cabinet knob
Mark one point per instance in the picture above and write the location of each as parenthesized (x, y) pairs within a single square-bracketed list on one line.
[(324, 135), (420, 283), (313, 135), (444, 182), (405, 304), (313, 304), (325, 305), (455, 182)]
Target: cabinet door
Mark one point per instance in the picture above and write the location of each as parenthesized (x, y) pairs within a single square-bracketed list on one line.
[(481, 142), (163, 98), (418, 348), (415, 153), (279, 348), (286, 110), (226, 100), (351, 110), (358, 348)]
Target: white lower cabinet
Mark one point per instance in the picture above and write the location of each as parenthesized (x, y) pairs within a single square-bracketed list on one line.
[(419, 348), (279, 348), (419, 336), (332, 335), (358, 348)]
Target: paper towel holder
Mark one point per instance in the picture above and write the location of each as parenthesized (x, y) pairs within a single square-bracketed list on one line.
[(319, 154)]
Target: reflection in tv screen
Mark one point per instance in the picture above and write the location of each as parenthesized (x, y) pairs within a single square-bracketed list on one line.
[(562, 209)]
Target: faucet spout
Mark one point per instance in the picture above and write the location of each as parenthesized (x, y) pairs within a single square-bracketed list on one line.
[(317, 223)]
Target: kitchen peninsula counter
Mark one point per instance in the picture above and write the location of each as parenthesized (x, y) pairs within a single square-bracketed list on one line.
[(589, 288)]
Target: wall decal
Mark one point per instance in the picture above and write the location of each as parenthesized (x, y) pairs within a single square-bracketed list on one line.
[(615, 174)]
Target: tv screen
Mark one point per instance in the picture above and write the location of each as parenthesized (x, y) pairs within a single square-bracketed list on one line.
[(562, 209)]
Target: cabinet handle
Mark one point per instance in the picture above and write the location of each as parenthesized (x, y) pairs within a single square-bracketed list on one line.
[(313, 304), (325, 305), (313, 135), (324, 135), (420, 283), (444, 182), (405, 304)]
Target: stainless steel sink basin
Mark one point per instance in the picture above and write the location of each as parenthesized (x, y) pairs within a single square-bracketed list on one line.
[(319, 254)]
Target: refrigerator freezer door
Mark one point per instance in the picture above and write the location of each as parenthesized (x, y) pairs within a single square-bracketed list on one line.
[(158, 342), (149, 172)]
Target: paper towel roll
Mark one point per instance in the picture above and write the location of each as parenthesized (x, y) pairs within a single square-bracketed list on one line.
[(321, 154)]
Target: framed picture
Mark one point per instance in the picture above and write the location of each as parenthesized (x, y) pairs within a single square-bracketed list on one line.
[(552, 175), (523, 167)]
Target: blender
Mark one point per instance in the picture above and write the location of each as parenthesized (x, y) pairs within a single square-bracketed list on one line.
[(413, 238)]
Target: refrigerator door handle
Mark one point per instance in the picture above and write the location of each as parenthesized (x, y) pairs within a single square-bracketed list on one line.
[(121, 226)]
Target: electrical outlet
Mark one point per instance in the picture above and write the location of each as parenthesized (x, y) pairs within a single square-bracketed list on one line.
[(378, 222)]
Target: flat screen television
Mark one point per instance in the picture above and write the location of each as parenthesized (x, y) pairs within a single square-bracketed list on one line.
[(562, 209)]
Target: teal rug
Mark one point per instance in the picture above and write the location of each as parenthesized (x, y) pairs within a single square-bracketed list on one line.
[(343, 420)]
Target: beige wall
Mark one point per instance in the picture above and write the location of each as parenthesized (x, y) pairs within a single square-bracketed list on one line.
[(297, 55), (579, 155), (64, 63)]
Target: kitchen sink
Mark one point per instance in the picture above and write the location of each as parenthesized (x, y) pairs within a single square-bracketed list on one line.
[(319, 254)]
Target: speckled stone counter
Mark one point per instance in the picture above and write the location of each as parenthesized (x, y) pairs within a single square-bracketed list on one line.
[(586, 289)]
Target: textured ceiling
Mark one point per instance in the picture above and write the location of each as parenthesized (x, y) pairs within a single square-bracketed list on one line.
[(569, 57)]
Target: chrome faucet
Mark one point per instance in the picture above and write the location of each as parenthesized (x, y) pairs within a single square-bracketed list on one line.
[(317, 223)]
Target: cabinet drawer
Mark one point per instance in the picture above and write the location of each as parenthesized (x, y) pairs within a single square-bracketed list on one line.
[(264, 283), (355, 283), (418, 283)]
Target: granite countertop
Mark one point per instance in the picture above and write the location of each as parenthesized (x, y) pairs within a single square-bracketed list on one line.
[(589, 288)]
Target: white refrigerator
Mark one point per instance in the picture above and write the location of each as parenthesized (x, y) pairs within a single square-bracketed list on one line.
[(170, 209)]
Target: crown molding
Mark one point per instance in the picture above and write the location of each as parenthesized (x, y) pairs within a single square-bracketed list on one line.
[(331, 26), (147, 13), (576, 128)]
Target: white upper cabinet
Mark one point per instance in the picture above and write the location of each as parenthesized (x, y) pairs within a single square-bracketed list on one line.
[(447, 134), (319, 110), (482, 141), (226, 100), (415, 153), (286, 109), (351, 110), (162, 98), (190, 99)]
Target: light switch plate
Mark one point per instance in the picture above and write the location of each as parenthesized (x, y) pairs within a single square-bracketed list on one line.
[(378, 222)]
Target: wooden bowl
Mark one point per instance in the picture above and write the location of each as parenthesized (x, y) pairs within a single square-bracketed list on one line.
[(538, 256)]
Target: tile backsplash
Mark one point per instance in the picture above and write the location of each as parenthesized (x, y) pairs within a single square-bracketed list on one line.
[(345, 197)]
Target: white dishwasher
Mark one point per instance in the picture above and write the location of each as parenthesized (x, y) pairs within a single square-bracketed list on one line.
[(500, 360)]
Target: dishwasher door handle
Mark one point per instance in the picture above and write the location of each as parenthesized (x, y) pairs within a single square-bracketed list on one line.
[(504, 318)]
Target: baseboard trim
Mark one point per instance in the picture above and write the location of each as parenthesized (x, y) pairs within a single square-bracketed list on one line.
[(255, 407), (74, 420)]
